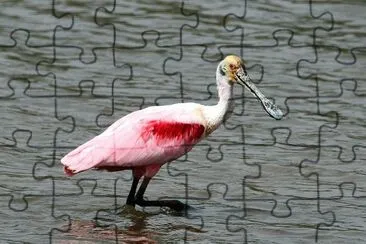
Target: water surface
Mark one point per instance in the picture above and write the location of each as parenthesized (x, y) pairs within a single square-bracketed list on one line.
[(70, 68)]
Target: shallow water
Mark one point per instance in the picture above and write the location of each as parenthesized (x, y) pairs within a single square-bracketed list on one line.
[(63, 80)]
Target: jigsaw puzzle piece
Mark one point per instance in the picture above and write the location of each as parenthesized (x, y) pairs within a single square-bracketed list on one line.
[(268, 17), (84, 32), (214, 211), (259, 225), (210, 27), (349, 209), (96, 194), (196, 85), (304, 119), (123, 22), (123, 102), (84, 109), (18, 63), (344, 36), (339, 55), (69, 71), (347, 133), (34, 224), (279, 178), (21, 112), (35, 18), (213, 167), (328, 70), (82, 198), (18, 158), (147, 72), (333, 172)]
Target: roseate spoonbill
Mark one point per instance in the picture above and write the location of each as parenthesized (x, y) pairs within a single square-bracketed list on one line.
[(145, 140)]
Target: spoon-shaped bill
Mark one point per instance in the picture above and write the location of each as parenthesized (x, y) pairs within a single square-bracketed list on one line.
[(244, 80)]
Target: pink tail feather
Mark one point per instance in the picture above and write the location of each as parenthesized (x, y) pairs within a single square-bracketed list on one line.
[(83, 158)]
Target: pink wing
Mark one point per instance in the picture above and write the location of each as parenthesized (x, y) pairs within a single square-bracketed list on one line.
[(155, 135)]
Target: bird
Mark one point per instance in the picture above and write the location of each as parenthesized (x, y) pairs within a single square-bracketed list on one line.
[(144, 140)]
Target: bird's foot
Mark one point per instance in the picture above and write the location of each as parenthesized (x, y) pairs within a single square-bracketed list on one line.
[(172, 204), (178, 206), (130, 202)]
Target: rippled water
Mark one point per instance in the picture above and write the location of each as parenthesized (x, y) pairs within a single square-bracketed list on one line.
[(69, 72)]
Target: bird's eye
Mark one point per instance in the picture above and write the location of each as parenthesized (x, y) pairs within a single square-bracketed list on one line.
[(222, 71)]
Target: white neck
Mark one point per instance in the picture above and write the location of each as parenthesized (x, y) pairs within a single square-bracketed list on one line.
[(217, 114)]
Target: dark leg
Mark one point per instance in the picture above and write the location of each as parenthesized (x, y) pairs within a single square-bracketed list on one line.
[(173, 204), (131, 195)]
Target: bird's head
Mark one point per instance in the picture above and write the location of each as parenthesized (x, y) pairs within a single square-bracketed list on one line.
[(232, 70), (231, 67)]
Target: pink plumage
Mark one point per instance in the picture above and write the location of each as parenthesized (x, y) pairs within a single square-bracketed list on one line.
[(144, 140)]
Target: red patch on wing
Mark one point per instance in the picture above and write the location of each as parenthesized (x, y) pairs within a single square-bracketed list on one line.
[(162, 131)]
